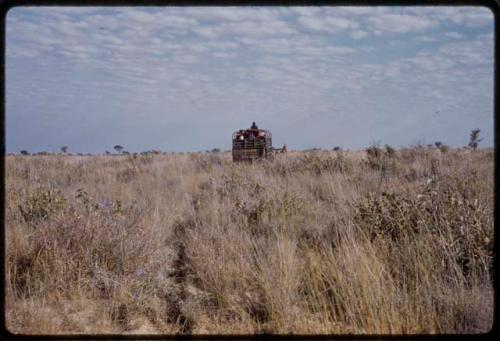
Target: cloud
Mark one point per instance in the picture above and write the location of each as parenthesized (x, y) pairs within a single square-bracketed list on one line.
[(400, 23), (454, 15), (231, 14), (246, 28), (425, 39), (225, 55), (181, 65), (358, 34), (306, 11), (326, 24), (453, 35), (439, 37), (473, 18)]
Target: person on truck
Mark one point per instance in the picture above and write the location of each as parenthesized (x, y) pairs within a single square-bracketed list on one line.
[(254, 126)]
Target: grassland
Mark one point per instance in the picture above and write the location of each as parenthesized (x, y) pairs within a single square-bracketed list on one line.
[(320, 242)]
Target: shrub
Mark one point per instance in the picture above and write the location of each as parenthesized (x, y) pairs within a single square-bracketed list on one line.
[(375, 157), (82, 197), (444, 148), (438, 210), (41, 204), (389, 151), (127, 174), (318, 163)]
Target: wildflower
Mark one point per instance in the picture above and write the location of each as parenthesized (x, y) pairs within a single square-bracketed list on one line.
[(105, 203)]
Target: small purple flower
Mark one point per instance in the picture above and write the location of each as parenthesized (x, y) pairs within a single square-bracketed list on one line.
[(140, 272), (105, 203)]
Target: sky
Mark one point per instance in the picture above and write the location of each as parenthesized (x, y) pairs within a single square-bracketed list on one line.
[(181, 79)]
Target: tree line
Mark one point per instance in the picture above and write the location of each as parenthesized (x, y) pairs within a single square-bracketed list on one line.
[(473, 144)]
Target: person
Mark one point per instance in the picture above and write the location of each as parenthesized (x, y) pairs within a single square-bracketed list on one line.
[(254, 126)]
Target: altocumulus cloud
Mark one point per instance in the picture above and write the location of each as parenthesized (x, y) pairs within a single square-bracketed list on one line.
[(183, 79)]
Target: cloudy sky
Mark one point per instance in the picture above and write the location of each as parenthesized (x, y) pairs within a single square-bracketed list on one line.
[(183, 79)]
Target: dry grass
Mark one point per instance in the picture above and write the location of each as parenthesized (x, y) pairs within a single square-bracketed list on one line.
[(326, 242)]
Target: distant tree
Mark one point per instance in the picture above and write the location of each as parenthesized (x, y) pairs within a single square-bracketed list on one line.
[(438, 144), (216, 150), (118, 148), (64, 149), (107, 152), (24, 152), (337, 148), (474, 139), (125, 152)]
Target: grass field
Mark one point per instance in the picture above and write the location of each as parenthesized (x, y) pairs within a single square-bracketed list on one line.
[(389, 241)]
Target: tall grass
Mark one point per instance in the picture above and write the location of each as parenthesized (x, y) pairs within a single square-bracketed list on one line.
[(387, 241)]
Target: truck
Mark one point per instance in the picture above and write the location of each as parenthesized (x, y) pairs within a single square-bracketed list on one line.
[(253, 144)]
